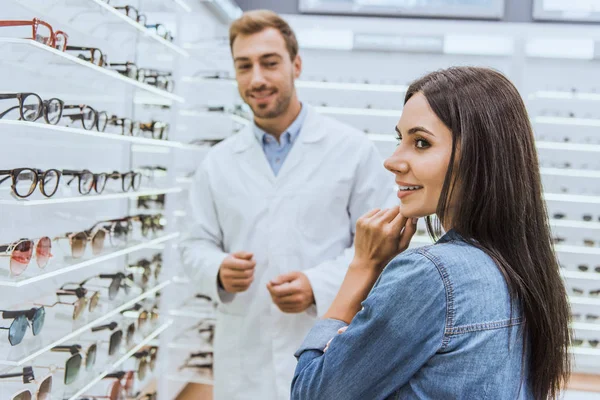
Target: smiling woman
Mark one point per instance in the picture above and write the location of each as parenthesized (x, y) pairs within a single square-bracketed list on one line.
[(483, 312)]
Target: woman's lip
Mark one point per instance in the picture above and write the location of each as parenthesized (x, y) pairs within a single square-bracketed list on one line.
[(403, 193)]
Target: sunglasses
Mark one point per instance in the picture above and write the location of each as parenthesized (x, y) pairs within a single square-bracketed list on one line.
[(22, 251), (78, 241), (114, 343), (31, 107), (143, 316), (146, 359), (581, 292), (123, 383), (580, 342), (43, 390), (120, 230), (588, 317), (73, 363), (96, 56), (42, 33), (25, 180), (147, 268), (17, 329), (118, 281), (80, 304), (585, 268), (149, 223)]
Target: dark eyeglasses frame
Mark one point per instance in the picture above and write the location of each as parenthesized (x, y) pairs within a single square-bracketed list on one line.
[(37, 173), (94, 58), (42, 106)]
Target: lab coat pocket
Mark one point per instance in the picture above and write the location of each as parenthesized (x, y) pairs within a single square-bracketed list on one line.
[(323, 211)]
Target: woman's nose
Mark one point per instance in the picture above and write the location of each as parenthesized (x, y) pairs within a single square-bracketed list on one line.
[(396, 165)]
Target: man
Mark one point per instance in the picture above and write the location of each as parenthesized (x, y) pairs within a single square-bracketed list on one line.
[(273, 212)]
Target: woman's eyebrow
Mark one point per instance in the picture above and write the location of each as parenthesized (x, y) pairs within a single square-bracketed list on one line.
[(415, 130)]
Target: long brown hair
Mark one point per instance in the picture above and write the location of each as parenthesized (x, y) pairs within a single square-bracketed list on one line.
[(499, 207)]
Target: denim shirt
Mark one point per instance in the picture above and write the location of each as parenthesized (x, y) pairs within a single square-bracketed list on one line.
[(436, 325)]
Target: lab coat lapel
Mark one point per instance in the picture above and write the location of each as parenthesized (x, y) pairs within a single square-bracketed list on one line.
[(310, 133), (252, 156)]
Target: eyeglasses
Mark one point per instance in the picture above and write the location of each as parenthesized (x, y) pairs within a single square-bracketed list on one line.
[(128, 69), (161, 31), (585, 268), (157, 129), (149, 223), (162, 80), (17, 329), (588, 317), (31, 107), (581, 292), (25, 180), (87, 180), (42, 32), (96, 56), (128, 127), (143, 316), (73, 363), (89, 117), (115, 337), (22, 251), (43, 391), (78, 241), (129, 180), (157, 200), (133, 13)]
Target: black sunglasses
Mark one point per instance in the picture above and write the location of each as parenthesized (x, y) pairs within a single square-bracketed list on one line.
[(114, 343)]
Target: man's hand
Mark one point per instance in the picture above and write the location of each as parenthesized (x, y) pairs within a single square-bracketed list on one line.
[(236, 272), (291, 292)]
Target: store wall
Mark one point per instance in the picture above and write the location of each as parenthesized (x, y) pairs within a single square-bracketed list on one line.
[(516, 10)]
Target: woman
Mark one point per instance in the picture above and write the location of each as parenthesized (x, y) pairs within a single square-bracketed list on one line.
[(481, 314)]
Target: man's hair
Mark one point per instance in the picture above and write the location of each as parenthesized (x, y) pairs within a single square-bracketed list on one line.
[(252, 22)]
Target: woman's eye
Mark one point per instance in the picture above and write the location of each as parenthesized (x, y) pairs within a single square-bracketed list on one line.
[(422, 144)]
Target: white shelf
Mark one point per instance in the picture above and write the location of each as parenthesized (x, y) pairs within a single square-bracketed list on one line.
[(89, 197), (86, 327), (110, 16), (558, 95), (584, 301), (585, 326), (571, 172), (189, 379), (22, 281), (80, 70), (566, 121), (584, 276), (572, 198), (19, 127), (591, 148), (192, 314), (565, 248), (561, 223), (121, 360), (585, 351)]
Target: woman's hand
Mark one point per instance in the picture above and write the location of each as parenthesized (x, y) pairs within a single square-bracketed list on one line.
[(380, 236)]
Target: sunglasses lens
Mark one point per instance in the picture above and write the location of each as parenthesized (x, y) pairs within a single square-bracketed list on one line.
[(119, 234), (25, 395), (94, 301), (113, 289), (115, 342), (72, 368), (86, 182), (143, 367), (32, 108), (17, 330), (78, 243), (45, 389), (116, 391), (51, 179), (21, 256), (98, 242), (90, 359), (25, 183), (43, 251), (38, 320), (53, 110), (130, 334), (79, 307)]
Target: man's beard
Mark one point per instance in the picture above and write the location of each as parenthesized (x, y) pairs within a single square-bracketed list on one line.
[(281, 105)]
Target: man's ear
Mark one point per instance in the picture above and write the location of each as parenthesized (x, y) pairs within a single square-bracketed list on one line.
[(297, 66)]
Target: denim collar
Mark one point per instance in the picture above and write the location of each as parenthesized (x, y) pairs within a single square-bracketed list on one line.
[(449, 236)]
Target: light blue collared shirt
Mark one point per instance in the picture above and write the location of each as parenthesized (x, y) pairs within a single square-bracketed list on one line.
[(276, 152)]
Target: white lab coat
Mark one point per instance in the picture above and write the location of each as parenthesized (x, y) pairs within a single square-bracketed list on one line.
[(301, 220)]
